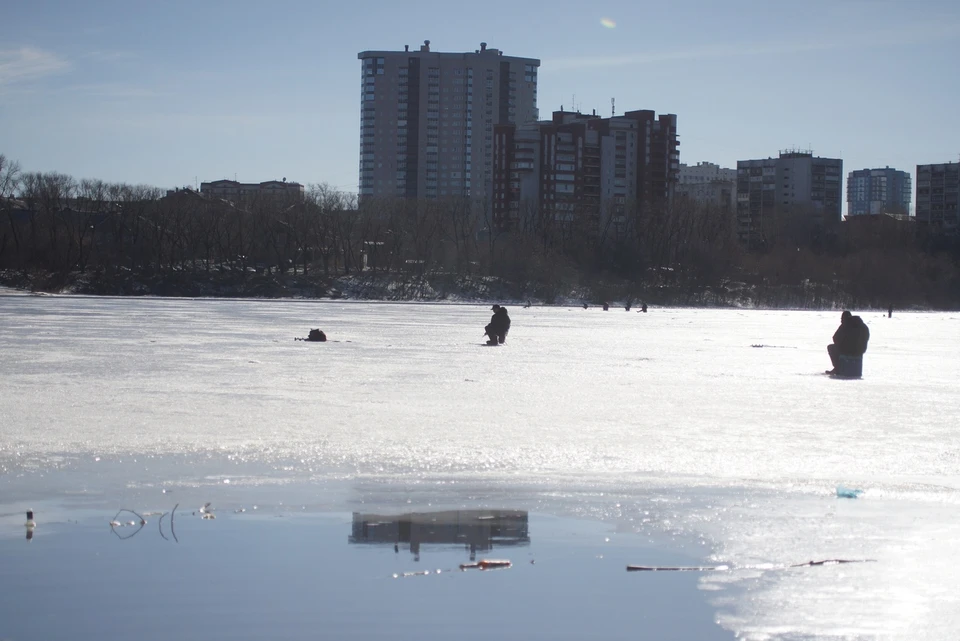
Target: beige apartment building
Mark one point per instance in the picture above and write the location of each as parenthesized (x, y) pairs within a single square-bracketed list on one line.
[(273, 190), (427, 118), (709, 184)]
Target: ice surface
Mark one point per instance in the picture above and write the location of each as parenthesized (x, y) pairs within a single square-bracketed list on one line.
[(725, 414)]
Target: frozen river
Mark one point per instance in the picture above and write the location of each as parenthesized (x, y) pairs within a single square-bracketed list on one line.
[(711, 426)]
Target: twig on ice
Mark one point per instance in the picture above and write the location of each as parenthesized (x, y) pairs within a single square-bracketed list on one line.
[(171, 523)]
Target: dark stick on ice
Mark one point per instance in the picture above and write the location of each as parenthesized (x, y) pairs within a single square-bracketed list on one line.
[(171, 523), (660, 568), (160, 526), (832, 562), (721, 568)]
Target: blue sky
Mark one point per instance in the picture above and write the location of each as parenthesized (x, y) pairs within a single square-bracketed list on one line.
[(166, 93)]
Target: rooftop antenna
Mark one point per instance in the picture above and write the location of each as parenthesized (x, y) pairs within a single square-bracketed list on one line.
[(613, 110)]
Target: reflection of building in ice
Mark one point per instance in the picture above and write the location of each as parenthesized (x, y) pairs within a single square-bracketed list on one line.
[(474, 529)]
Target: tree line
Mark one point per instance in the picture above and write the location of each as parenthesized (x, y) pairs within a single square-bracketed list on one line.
[(684, 253)]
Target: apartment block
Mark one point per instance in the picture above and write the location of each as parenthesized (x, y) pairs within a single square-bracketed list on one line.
[(796, 183), (585, 169), (708, 184), (427, 119), (878, 191), (552, 165), (937, 195), (274, 190)]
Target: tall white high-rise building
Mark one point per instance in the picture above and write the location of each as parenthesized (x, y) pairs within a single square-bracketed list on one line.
[(427, 118)]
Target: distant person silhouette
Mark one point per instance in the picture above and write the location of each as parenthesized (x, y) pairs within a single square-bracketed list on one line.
[(643, 308), (890, 312), (850, 339)]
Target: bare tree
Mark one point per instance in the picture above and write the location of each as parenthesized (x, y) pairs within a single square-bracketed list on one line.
[(9, 183), (460, 229), (90, 208), (48, 196), (10, 174)]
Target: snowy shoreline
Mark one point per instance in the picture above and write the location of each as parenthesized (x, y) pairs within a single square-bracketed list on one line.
[(442, 288)]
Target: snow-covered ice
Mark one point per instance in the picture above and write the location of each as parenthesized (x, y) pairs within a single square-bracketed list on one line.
[(722, 419)]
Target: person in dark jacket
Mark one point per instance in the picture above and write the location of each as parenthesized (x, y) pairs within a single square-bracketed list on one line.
[(504, 325), (498, 327), (850, 339)]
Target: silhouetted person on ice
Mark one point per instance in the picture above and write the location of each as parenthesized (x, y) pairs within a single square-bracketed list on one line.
[(850, 339), (498, 327)]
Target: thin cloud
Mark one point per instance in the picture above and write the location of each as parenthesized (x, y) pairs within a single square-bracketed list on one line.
[(696, 53), (115, 90), (916, 34), (210, 122), (111, 56), (26, 63)]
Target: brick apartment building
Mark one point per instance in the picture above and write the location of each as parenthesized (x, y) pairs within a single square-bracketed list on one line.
[(578, 166)]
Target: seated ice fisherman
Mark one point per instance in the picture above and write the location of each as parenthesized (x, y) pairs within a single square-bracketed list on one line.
[(498, 327), (503, 326), (850, 339)]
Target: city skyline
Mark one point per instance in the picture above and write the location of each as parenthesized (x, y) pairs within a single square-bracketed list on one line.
[(174, 95)]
